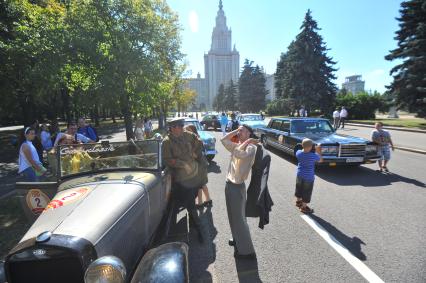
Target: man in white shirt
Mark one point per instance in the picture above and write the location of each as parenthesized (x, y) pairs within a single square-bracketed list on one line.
[(71, 136), (242, 158), (343, 116), (336, 118)]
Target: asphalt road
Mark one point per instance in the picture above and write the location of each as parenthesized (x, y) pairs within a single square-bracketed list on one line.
[(379, 219)]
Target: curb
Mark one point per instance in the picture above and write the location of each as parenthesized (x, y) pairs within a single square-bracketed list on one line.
[(388, 128), (414, 150), (410, 149)]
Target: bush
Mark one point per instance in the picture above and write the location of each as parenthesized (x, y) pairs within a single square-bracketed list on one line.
[(280, 106), (361, 105)]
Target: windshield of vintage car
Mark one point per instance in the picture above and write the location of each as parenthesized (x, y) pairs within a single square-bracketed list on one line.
[(196, 124), (81, 158), (251, 118), (311, 126)]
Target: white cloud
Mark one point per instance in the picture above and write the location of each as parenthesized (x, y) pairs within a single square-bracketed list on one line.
[(193, 21)]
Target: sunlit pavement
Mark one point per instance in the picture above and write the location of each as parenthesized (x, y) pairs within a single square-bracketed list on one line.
[(376, 221)]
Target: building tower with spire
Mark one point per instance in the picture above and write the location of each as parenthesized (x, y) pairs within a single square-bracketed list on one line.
[(221, 63)]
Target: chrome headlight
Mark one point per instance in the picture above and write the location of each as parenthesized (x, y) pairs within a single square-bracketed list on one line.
[(371, 148), (329, 150), (107, 269)]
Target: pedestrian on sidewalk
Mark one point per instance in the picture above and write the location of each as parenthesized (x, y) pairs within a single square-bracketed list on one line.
[(29, 162), (343, 115), (223, 123), (306, 160), (383, 138), (139, 131), (242, 158), (336, 118), (204, 163), (46, 140), (147, 127)]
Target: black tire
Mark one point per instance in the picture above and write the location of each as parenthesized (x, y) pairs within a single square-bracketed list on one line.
[(210, 157)]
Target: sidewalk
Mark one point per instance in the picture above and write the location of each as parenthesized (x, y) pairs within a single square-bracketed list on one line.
[(414, 130), (402, 139)]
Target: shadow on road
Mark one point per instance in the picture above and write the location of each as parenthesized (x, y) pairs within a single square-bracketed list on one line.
[(213, 168), (248, 271), (202, 255), (363, 176), (353, 244)]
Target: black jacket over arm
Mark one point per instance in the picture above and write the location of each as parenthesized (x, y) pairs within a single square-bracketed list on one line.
[(259, 202)]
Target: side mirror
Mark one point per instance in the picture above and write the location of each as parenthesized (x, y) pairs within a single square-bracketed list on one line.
[(286, 133)]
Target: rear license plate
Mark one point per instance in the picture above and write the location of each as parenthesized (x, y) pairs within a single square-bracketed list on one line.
[(354, 159)]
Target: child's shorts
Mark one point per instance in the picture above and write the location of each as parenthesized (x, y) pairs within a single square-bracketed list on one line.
[(384, 152), (304, 189)]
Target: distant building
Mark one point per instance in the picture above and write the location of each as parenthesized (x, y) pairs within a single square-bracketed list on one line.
[(354, 84), (199, 85), (221, 63), (270, 87)]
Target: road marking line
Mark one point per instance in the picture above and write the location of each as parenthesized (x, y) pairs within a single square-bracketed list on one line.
[(344, 252)]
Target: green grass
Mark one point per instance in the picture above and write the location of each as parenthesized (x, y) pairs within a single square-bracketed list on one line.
[(13, 223), (408, 123)]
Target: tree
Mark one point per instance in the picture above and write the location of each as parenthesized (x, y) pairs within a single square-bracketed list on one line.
[(251, 88), (409, 84), (361, 105), (218, 102), (230, 97), (305, 72)]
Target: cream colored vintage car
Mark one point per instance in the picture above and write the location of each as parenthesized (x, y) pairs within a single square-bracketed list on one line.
[(102, 221)]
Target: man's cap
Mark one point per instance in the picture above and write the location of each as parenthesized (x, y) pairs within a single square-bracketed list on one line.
[(176, 122)]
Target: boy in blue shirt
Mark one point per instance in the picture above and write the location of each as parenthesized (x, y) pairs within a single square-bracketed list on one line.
[(306, 174)]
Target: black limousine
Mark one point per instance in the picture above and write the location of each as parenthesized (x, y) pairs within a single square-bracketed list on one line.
[(286, 134)]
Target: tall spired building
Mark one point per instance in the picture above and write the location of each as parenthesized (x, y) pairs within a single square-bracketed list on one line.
[(221, 63)]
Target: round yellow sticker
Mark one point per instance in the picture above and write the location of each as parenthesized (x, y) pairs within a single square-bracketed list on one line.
[(37, 201)]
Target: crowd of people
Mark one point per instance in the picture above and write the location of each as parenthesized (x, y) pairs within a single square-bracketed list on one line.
[(37, 140), (183, 153)]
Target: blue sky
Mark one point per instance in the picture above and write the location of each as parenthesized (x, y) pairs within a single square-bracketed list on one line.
[(359, 33)]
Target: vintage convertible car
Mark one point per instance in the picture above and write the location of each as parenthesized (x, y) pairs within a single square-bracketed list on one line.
[(208, 140), (286, 134), (110, 210)]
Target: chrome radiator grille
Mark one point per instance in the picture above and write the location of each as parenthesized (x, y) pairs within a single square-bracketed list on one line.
[(349, 150)]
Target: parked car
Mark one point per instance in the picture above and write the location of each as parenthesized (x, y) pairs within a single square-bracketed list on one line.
[(255, 121), (208, 140), (112, 204), (210, 121), (286, 134)]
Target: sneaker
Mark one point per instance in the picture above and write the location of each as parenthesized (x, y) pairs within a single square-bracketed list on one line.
[(231, 242), (386, 169)]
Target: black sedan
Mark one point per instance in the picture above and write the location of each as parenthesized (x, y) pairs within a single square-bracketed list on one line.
[(286, 134)]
